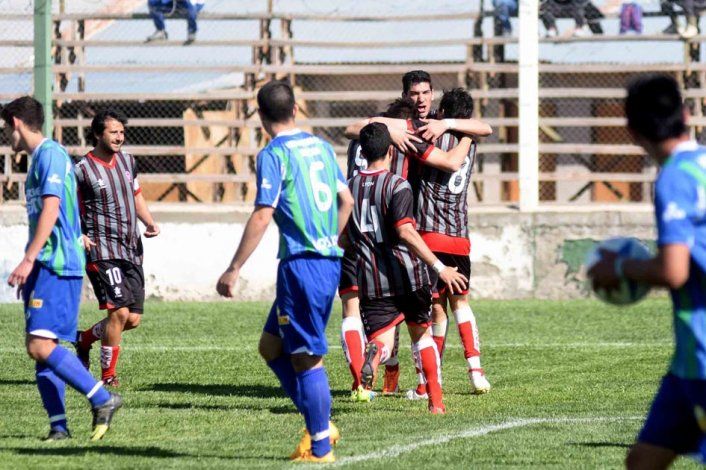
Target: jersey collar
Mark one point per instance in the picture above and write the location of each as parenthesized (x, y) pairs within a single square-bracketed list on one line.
[(372, 172), (686, 146), (289, 132), (34, 152)]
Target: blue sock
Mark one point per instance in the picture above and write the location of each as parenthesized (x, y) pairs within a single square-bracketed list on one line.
[(69, 369), (316, 408), (283, 369), (51, 389)]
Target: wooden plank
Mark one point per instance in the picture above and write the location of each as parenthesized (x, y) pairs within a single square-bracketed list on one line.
[(168, 43)]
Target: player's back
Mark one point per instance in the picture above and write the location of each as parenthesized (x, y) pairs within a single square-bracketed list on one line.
[(298, 175), (442, 197), (386, 267)]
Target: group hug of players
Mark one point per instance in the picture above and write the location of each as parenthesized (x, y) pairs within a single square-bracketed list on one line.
[(409, 171)]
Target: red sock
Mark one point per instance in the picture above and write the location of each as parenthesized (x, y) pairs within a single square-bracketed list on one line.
[(467, 329), (421, 385), (429, 358), (109, 359), (440, 344), (353, 343), (92, 334)]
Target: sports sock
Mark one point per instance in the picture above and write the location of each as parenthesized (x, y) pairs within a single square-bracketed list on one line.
[(316, 408), (353, 342), (92, 334), (393, 363), (109, 359), (51, 389), (468, 330), (69, 369), (438, 332), (283, 369), (428, 361)]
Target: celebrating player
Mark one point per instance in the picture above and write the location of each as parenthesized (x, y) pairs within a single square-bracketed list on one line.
[(300, 185), (50, 275), (442, 221), (111, 203), (676, 423), (393, 282)]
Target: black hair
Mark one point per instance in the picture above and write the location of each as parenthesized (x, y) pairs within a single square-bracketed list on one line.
[(654, 107), (26, 109), (374, 141), (414, 77), (276, 101), (456, 103), (98, 122), (401, 108)]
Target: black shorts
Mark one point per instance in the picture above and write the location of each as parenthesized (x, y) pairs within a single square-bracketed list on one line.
[(349, 273), (117, 283), (462, 262), (379, 315)]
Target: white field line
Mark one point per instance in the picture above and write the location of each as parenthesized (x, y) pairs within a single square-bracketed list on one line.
[(253, 346), (398, 450)]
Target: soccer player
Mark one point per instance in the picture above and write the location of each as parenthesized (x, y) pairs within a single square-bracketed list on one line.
[(676, 423), (111, 202), (394, 285), (50, 275), (300, 185), (442, 221)]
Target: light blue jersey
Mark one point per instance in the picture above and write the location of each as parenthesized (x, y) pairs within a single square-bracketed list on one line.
[(680, 209), (51, 173), (298, 175)]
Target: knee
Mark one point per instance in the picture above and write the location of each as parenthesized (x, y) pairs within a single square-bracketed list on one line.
[(303, 362), (270, 347), (133, 321), (122, 315), (39, 350)]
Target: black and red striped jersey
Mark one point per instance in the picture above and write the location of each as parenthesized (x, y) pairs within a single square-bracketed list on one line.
[(442, 197), (386, 267), (106, 194)]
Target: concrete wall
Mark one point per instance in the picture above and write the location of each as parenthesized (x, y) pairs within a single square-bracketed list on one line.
[(514, 255)]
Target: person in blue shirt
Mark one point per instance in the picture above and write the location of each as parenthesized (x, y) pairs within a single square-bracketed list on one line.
[(300, 185), (50, 275), (676, 423), (158, 8)]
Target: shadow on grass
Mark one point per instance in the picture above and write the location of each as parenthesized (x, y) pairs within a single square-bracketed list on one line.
[(16, 382), (601, 444), (252, 391), (280, 410)]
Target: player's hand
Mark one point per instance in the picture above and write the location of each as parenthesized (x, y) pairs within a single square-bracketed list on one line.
[(19, 275), (151, 230), (87, 243), (603, 273), (402, 139), (226, 282), (456, 281), (433, 129)]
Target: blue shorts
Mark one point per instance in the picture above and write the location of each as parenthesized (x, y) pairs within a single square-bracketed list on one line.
[(677, 418), (306, 288), (51, 304)]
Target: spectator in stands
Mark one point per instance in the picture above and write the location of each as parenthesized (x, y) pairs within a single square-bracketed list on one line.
[(549, 10), (159, 8), (690, 8), (503, 10), (631, 17)]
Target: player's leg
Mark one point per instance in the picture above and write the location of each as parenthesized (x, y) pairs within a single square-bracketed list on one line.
[(110, 344), (468, 331), (643, 456), (391, 380), (380, 319), (156, 10), (352, 336), (378, 350), (439, 322)]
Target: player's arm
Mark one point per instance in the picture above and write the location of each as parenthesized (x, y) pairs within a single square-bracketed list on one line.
[(435, 128), (45, 224), (345, 207), (446, 161), (401, 136), (145, 216)]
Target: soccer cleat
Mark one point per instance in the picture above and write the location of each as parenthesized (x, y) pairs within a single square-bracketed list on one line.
[(83, 354), (413, 395), (190, 38), (479, 384), (57, 435), (362, 395), (112, 381), (304, 445), (159, 35), (367, 373), (390, 385), (103, 414), (311, 458)]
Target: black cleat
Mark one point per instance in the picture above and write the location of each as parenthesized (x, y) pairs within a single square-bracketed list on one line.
[(103, 414), (367, 373), (57, 435), (83, 354)]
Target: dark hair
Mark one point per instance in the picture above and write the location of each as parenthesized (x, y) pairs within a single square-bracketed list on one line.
[(654, 107), (374, 141), (27, 110), (401, 108), (456, 103), (276, 101), (98, 122), (414, 77)]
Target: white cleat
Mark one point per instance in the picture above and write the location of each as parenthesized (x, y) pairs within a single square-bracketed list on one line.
[(413, 395), (479, 384)]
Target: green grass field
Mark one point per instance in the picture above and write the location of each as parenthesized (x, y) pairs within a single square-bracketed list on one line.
[(571, 384)]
